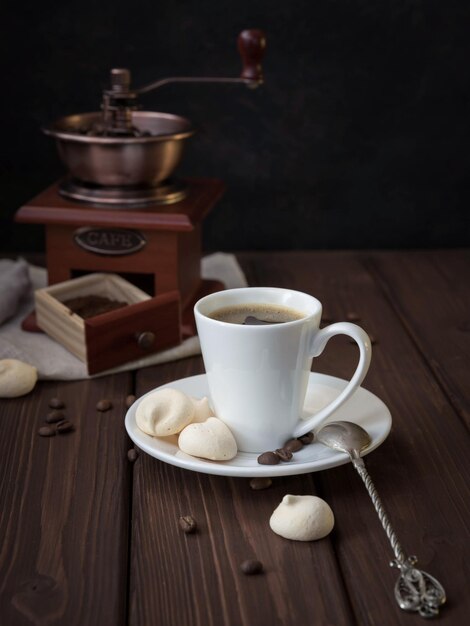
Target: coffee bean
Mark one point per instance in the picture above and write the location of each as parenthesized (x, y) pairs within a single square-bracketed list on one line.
[(130, 401), (64, 426), (132, 455), (260, 482), (55, 416), (187, 524), (268, 458), (306, 439), (251, 567), (46, 431), (56, 403), (293, 445), (104, 405), (284, 455)]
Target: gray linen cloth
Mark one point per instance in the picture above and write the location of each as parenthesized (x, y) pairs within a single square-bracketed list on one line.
[(54, 362), (14, 285)]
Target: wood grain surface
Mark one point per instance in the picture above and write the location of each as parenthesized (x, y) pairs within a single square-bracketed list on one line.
[(64, 508), (90, 538)]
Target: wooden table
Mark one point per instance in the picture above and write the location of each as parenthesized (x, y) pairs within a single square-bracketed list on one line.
[(89, 538)]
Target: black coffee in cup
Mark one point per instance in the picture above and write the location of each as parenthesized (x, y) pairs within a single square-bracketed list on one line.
[(256, 314)]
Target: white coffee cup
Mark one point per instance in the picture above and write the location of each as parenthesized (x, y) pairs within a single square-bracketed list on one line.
[(258, 375)]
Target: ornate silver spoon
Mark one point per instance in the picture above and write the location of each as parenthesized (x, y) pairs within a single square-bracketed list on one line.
[(415, 590)]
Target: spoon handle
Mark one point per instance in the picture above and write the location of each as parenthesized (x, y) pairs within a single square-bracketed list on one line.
[(392, 537), (415, 590)]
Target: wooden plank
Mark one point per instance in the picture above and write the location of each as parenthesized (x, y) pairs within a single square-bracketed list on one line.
[(422, 472), (435, 312), (196, 579), (64, 508)]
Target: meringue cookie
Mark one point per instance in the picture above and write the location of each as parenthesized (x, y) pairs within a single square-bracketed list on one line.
[(164, 412), (302, 518), (16, 378), (202, 410), (211, 439)]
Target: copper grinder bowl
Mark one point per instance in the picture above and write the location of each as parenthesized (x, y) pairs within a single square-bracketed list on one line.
[(121, 161)]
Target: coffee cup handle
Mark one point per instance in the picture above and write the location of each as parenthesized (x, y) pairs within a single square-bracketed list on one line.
[(319, 342)]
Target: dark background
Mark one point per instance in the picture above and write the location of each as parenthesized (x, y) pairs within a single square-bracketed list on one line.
[(359, 138)]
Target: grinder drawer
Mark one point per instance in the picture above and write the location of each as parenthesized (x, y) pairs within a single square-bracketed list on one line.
[(143, 326)]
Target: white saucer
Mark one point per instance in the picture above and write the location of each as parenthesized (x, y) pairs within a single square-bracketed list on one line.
[(363, 407)]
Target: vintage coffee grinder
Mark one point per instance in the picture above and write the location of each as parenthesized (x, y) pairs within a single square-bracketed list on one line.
[(120, 209)]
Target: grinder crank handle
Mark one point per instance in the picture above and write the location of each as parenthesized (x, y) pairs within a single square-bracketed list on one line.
[(251, 46)]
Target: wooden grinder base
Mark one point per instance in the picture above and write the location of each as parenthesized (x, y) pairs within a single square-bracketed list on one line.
[(169, 259)]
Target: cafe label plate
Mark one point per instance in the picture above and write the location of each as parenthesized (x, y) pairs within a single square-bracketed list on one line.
[(363, 408)]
